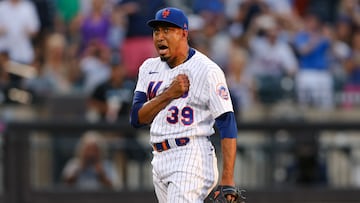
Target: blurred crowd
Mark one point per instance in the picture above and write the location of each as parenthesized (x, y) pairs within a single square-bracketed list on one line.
[(302, 51)]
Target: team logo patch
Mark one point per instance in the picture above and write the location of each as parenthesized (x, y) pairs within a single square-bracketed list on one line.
[(222, 91), (165, 13)]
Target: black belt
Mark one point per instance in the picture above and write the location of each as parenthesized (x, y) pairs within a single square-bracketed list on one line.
[(164, 145)]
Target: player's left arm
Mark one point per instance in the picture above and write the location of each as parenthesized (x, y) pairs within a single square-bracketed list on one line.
[(226, 124)]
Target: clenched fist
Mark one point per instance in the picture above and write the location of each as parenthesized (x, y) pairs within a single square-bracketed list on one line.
[(179, 86)]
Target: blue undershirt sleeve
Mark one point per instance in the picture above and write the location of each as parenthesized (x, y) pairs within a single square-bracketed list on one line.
[(226, 125), (138, 101)]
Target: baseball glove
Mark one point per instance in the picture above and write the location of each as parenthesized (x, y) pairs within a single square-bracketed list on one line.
[(219, 195)]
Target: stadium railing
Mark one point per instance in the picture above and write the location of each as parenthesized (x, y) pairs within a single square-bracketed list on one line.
[(19, 189)]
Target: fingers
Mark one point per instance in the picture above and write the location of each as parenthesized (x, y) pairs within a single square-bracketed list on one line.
[(230, 198), (179, 86), (183, 81)]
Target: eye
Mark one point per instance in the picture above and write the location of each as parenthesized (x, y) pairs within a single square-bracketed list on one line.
[(166, 30), (156, 31)]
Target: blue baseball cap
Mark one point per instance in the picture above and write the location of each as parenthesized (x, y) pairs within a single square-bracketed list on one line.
[(170, 15)]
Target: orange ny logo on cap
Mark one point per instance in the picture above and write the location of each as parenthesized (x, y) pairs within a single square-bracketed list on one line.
[(165, 13)]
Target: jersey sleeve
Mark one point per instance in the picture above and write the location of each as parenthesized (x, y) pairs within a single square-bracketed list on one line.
[(141, 82), (219, 99)]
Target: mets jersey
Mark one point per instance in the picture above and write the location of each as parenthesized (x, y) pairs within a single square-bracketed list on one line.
[(192, 114)]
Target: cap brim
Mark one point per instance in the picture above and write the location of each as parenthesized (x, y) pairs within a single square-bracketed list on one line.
[(154, 23)]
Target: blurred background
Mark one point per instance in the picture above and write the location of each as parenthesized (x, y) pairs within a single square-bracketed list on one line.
[(68, 69)]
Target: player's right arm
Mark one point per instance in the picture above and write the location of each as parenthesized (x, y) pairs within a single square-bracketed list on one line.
[(143, 112)]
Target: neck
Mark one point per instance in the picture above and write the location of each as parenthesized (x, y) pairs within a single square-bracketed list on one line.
[(180, 59)]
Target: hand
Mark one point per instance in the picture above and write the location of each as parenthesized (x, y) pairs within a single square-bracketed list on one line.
[(102, 175), (179, 86), (226, 194), (230, 198), (99, 169)]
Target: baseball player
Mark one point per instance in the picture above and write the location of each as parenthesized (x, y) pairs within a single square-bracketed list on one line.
[(182, 93)]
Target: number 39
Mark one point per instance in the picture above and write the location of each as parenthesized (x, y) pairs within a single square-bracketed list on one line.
[(186, 115)]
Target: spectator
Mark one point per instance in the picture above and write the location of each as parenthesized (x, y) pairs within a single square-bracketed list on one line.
[(68, 21), (350, 9), (19, 23), (5, 80), (12, 76), (138, 43), (272, 60), (197, 38), (231, 8), (54, 73), (46, 12), (236, 18), (213, 11), (340, 51), (344, 29), (95, 25), (352, 68), (112, 99), (117, 32), (4, 60), (241, 84), (90, 169), (214, 39), (94, 66), (67, 10), (218, 42), (314, 80), (277, 7), (249, 9), (280, 7)]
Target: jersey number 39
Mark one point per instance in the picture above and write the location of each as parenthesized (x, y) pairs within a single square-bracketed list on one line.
[(186, 115)]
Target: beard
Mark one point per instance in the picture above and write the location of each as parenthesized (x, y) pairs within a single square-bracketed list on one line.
[(164, 58)]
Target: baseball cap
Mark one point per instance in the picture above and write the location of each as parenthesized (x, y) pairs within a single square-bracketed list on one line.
[(170, 15)]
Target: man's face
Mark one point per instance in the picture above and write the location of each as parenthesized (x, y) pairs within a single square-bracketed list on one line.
[(91, 153), (166, 40)]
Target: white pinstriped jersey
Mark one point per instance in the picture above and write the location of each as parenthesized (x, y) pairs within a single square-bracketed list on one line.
[(194, 113)]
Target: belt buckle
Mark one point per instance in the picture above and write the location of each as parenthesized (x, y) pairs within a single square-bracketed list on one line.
[(182, 141)]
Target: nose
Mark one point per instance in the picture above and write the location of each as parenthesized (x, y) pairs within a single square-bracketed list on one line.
[(159, 36)]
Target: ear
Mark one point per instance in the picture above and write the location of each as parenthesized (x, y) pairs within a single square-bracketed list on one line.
[(185, 34)]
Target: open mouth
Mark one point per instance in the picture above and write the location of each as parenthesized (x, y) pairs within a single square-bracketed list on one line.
[(162, 49)]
